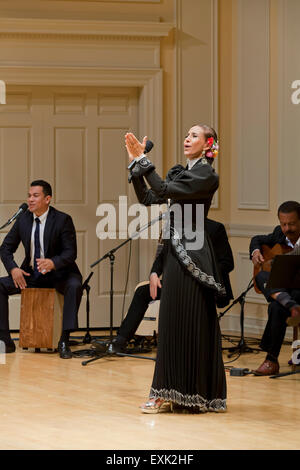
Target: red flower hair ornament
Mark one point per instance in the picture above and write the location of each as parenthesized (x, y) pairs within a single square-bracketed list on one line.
[(213, 150)]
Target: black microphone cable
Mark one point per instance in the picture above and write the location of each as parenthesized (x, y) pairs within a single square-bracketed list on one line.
[(127, 279)]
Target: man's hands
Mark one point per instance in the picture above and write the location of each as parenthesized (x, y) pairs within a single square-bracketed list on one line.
[(257, 258), (154, 284), (17, 275), (44, 265)]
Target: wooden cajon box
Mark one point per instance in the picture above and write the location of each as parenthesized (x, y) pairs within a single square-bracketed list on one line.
[(41, 318)]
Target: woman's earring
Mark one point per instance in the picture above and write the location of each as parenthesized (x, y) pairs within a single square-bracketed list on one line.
[(203, 157)]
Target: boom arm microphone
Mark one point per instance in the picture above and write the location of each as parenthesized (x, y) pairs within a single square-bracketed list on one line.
[(23, 208)]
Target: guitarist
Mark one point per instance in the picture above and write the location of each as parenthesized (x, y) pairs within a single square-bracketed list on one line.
[(284, 304)]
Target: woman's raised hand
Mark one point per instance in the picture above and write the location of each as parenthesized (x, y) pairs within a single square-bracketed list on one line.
[(133, 146)]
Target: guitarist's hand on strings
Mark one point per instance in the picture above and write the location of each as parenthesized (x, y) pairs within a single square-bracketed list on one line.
[(257, 257)]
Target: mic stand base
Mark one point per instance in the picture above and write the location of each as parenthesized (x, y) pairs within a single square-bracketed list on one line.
[(110, 353), (87, 338), (242, 346)]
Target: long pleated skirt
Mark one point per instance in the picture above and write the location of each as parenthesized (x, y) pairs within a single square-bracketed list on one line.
[(189, 367)]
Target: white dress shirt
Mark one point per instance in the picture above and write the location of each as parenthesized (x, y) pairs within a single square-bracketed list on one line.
[(43, 219), (289, 243), (191, 163)]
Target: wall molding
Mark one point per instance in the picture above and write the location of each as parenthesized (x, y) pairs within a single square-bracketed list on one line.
[(45, 64), (178, 83), (150, 104), (281, 95), (253, 113), (213, 67), (32, 27), (215, 78), (119, 1), (288, 71), (248, 231)]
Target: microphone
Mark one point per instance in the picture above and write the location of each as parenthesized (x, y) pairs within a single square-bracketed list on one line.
[(23, 208), (149, 145)]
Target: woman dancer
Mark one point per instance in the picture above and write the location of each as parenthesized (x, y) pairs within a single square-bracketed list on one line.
[(189, 371)]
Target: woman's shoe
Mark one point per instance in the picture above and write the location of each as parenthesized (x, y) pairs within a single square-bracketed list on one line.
[(156, 406), (222, 409)]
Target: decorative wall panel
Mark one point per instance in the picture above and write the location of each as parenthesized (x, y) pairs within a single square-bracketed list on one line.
[(252, 137)]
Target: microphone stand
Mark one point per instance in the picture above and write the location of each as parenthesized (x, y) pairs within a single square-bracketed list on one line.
[(5, 225), (111, 255), (86, 287), (87, 338), (242, 346), (8, 223)]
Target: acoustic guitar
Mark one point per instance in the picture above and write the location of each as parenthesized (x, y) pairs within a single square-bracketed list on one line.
[(269, 254)]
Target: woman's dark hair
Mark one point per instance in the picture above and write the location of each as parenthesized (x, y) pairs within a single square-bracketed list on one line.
[(208, 132), (288, 207), (47, 190)]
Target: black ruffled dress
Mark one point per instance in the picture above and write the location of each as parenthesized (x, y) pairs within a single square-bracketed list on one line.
[(189, 367)]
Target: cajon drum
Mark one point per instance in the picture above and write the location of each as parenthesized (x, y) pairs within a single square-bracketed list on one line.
[(41, 318), (149, 324)]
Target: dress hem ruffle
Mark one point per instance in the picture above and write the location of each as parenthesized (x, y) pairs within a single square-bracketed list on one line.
[(217, 404)]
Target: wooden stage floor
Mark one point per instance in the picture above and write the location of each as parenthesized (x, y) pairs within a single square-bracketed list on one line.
[(50, 403)]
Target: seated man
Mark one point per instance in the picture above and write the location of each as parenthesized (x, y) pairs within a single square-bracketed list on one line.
[(284, 307), (49, 240), (152, 291)]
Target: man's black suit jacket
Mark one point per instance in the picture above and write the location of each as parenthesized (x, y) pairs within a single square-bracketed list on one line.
[(59, 242), (224, 256), (277, 236)]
